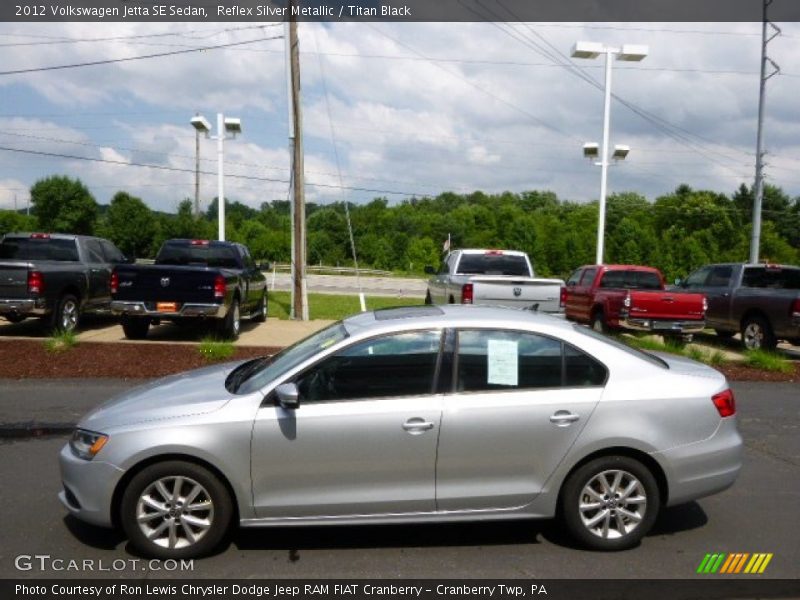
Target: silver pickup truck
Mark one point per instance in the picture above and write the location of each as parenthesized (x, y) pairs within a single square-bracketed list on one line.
[(495, 278), (762, 302)]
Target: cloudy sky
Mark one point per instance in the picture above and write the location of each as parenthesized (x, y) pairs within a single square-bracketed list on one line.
[(392, 109)]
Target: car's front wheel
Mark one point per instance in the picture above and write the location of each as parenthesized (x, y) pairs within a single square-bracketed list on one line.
[(610, 503), (175, 509)]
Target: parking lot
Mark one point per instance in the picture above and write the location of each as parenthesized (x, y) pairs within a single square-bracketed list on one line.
[(757, 515)]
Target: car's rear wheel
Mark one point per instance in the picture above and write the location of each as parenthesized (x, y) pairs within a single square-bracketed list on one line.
[(135, 328), (428, 299), (231, 324), (610, 503), (66, 314), (260, 314), (175, 509), (757, 334), (599, 322)]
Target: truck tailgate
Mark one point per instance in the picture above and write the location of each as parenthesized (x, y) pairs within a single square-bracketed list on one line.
[(666, 305), (14, 279), (155, 283), (517, 293)]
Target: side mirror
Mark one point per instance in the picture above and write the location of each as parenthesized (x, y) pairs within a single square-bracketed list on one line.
[(430, 270), (678, 281), (288, 396)]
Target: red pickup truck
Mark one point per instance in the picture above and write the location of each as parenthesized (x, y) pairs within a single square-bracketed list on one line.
[(609, 297)]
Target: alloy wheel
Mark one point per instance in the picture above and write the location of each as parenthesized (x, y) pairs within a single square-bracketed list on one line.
[(753, 336), (69, 315), (612, 504), (175, 512)]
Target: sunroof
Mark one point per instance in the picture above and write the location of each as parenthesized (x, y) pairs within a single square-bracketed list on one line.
[(407, 312)]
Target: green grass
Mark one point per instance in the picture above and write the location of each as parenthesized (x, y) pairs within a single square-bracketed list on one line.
[(214, 350), (767, 361), (715, 358), (60, 341), (331, 306)]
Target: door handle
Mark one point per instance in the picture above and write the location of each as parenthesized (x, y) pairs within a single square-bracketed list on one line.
[(416, 426), (562, 418)]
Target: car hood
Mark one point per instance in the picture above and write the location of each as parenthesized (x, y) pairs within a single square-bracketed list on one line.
[(190, 393)]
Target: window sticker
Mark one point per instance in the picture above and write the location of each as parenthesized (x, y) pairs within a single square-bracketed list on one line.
[(502, 362)]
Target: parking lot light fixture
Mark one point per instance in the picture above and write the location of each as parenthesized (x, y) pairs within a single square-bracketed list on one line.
[(627, 52)]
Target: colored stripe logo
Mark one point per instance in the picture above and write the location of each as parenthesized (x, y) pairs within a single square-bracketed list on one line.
[(734, 563)]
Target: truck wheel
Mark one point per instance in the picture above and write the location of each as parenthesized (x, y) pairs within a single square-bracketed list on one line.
[(15, 318), (175, 510), (135, 328), (610, 503), (231, 323), (65, 315), (428, 299), (757, 334), (599, 322), (260, 314)]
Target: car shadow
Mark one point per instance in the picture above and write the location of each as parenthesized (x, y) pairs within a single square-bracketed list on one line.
[(675, 519), (36, 328), (101, 538)]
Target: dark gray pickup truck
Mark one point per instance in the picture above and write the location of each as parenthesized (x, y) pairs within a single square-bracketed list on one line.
[(55, 276), (760, 301), (190, 280)]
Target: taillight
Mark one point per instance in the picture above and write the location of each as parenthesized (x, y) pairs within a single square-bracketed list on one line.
[(35, 282), (199, 242), (466, 293), (40, 236), (796, 308), (114, 284), (219, 287), (627, 301), (705, 304), (563, 301), (725, 403)]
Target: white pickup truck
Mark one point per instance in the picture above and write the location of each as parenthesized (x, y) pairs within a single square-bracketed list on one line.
[(493, 277)]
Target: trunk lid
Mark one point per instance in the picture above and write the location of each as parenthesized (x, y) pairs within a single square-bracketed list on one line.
[(517, 292)]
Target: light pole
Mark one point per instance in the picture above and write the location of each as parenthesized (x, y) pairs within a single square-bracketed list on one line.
[(224, 126), (626, 52)]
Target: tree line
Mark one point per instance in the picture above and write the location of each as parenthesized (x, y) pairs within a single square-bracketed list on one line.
[(676, 233)]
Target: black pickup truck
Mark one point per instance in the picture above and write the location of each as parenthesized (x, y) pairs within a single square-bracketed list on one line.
[(56, 277), (761, 301), (190, 280)]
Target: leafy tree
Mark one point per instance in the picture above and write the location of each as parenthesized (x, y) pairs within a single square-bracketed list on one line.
[(131, 225), (12, 221), (64, 205)]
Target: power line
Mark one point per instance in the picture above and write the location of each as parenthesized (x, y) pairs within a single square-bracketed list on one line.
[(141, 57), (52, 39)]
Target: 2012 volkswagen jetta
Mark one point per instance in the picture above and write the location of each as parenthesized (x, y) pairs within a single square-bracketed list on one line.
[(420, 414)]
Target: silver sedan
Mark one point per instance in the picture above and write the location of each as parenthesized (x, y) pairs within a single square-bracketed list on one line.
[(421, 414)]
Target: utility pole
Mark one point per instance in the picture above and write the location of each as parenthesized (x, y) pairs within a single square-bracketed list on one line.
[(755, 240), (299, 292)]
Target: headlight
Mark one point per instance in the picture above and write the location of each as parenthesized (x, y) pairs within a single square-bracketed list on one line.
[(86, 444)]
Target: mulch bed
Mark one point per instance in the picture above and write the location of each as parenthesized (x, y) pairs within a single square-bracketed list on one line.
[(24, 359), (27, 359)]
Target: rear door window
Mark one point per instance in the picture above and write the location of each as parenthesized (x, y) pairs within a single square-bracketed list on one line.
[(588, 276), (720, 277), (771, 277), (697, 279)]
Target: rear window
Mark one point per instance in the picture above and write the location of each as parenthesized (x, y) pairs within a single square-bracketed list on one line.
[(210, 255), (60, 250), (774, 278), (631, 280), (493, 264)]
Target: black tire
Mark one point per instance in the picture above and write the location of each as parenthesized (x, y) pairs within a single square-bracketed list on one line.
[(451, 300), (598, 322), (260, 314), (12, 318), (724, 335), (757, 334), (231, 324), (212, 502), (65, 315), (135, 328), (575, 492), (428, 299)]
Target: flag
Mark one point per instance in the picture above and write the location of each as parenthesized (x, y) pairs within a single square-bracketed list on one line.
[(446, 245)]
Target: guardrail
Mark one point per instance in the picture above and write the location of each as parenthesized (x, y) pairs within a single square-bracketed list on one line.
[(321, 269)]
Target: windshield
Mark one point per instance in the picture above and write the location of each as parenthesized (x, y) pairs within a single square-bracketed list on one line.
[(493, 264), (651, 358), (288, 358), (39, 249)]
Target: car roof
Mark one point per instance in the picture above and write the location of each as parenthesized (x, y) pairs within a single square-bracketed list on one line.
[(450, 315), (490, 251), (55, 236)]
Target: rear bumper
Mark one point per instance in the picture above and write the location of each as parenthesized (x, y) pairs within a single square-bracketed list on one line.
[(148, 309), (22, 306), (703, 468), (662, 325)]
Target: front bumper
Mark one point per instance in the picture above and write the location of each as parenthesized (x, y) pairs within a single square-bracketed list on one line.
[(88, 487), (703, 468), (148, 309), (662, 325), (22, 306)]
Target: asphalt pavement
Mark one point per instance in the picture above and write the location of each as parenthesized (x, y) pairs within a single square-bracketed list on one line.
[(758, 514)]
